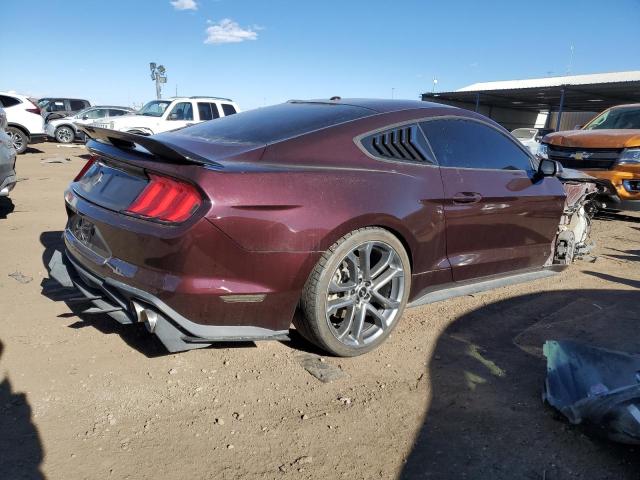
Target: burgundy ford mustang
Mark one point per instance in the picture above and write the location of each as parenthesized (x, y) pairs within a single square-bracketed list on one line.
[(333, 215)]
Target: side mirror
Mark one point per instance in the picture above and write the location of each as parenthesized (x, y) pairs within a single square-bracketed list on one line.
[(547, 168), (578, 127), (85, 117), (173, 116)]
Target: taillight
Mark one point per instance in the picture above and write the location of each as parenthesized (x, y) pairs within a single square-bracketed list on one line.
[(87, 166), (35, 109), (166, 199)]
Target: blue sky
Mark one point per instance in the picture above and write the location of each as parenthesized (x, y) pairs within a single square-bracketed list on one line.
[(263, 52)]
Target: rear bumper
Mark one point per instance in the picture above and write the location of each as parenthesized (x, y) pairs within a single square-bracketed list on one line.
[(7, 185), (50, 130), (129, 305)]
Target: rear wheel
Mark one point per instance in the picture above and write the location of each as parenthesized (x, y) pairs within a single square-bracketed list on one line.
[(19, 139), (65, 134), (357, 292)]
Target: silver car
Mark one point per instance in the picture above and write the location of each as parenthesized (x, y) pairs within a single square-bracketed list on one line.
[(7, 158), (65, 130)]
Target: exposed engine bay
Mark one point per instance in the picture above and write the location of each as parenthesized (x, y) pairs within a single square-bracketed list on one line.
[(572, 240)]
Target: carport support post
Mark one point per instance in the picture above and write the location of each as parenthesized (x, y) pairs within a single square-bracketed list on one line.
[(477, 101), (560, 110)]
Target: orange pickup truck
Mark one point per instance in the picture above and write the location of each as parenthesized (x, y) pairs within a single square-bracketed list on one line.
[(608, 148)]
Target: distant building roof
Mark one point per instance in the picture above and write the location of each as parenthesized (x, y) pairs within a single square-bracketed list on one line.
[(612, 77), (587, 93)]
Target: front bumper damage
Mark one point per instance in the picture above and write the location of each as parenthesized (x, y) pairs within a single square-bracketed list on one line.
[(129, 305)]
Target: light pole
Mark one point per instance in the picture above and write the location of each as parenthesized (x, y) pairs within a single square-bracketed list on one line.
[(159, 75)]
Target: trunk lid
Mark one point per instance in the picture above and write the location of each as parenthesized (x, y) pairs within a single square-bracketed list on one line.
[(124, 161)]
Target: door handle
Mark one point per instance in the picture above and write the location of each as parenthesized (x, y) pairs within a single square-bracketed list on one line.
[(462, 198)]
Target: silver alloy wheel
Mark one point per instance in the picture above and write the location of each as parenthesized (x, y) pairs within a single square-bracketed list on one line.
[(365, 294), (16, 140), (64, 135)]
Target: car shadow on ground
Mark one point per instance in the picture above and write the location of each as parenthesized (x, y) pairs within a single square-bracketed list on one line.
[(31, 149), (136, 336), (6, 207), (607, 215), (486, 418), (21, 450)]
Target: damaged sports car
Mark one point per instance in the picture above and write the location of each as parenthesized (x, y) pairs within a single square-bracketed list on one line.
[(332, 215)]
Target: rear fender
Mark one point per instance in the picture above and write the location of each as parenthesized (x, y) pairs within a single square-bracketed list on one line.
[(386, 222)]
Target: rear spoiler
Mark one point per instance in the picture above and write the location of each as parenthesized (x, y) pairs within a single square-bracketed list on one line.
[(129, 141)]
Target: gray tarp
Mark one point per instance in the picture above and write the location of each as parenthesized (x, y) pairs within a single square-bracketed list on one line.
[(594, 386)]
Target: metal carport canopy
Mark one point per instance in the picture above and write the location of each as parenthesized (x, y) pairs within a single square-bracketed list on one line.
[(585, 93)]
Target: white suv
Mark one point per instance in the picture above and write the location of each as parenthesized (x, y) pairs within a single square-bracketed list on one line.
[(24, 122), (160, 116)]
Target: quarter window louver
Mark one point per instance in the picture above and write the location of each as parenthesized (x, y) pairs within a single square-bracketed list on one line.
[(402, 143)]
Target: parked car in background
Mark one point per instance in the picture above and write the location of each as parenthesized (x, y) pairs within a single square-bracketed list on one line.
[(24, 123), (350, 209), (65, 130), (7, 158), (608, 148), (530, 137), (160, 116), (53, 108)]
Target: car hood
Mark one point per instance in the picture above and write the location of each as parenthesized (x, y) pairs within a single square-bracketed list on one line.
[(595, 138), (134, 120)]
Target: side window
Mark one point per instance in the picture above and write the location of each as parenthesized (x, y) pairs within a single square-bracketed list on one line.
[(96, 113), (182, 111), (6, 101), (215, 110), (56, 106), (77, 105), (208, 111), (403, 143), (469, 144), (117, 113), (228, 109)]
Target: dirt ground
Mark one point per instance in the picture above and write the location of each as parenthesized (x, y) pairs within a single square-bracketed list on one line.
[(454, 393)]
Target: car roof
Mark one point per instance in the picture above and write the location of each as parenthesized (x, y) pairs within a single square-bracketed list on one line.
[(62, 98), (378, 105), (203, 97), (17, 95), (109, 106)]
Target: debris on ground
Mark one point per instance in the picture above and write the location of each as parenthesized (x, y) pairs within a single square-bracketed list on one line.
[(596, 387), (322, 370), (297, 463), (55, 160), (20, 277)]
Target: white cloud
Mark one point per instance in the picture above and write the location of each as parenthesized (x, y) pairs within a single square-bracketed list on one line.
[(228, 31), (184, 4)]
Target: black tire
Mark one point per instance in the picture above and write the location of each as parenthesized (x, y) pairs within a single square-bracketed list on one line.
[(314, 323), (19, 139), (65, 134)]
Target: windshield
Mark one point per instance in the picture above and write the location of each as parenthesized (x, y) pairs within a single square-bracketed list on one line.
[(154, 108), (524, 133), (625, 118)]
